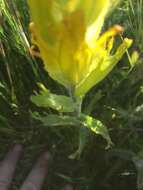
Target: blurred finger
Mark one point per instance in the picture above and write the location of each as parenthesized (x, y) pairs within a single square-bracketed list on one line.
[(35, 179), (8, 165), (68, 187)]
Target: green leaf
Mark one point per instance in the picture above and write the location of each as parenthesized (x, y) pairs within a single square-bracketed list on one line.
[(56, 120), (97, 127), (57, 102), (84, 122)]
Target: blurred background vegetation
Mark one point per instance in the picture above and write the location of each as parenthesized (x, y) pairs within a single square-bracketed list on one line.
[(117, 101)]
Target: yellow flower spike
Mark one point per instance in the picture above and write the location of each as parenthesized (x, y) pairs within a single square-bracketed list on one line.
[(67, 35)]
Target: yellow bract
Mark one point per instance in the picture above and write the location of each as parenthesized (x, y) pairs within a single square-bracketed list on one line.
[(67, 34)]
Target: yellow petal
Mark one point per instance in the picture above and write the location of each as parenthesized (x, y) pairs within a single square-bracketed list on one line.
[(102, 69), (47, 15), (112, 32), (95, 27), (91, 8), (72, 38)]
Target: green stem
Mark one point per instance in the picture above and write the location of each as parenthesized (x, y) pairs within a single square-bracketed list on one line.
[(77, 101)]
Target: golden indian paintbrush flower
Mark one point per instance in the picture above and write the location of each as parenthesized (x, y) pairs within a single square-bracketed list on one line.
[(67, 33)]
